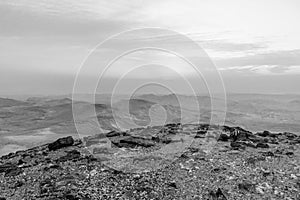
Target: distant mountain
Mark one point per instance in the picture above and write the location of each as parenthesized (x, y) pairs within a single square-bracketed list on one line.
[(45, 118), (47, 101), (5, 102)]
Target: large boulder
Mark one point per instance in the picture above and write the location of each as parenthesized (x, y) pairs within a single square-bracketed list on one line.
[(61, 143)]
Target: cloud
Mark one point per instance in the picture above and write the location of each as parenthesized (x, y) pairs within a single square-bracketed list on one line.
[(280, 59), (264, 69), (227, 46), (55, 36), (31, 24)]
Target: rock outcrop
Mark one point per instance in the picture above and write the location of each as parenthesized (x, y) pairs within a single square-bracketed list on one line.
[(61, 143)]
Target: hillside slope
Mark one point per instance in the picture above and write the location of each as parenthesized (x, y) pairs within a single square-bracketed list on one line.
[(219, 163)]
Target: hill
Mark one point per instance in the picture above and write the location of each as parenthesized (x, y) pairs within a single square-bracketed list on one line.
[(175, 161)]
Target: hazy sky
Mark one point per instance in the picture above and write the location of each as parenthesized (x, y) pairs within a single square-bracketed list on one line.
[(254, 44)]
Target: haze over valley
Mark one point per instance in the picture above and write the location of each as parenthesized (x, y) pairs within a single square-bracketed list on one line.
[(38, 120)]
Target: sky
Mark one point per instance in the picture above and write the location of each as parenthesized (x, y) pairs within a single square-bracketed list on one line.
[(250, 46)]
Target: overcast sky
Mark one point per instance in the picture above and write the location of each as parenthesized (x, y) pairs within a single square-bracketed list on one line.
[(255, 44)]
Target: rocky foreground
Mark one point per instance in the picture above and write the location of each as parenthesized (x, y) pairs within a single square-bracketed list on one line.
[(170, 162)]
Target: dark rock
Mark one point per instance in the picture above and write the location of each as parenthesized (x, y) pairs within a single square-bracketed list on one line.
[(223, 137), (165, 140), (289, 153), (116, 134), (5, 167), (246, 186), (71, 155), (199, 136), (238, 134), (266, 173), (155, 138), (269, 153), (61, 143), (14, 171), (71, 197), (204, 127), (173, 125), (228, 129), (193, 149), (258, 139), (54, 166), (273, 141), (21, 161), (218, 195), (172, 131), (201, 132), (184, 156), (218, 169), (90, 159), (173, 184), (18, 184), (253, 159), (132, 142), (296, 141), (264, 134), (116, 172), (279, 151), (10, 170), (290, 136), (8, 156), (2, 198), (237, 145), (262, 145)]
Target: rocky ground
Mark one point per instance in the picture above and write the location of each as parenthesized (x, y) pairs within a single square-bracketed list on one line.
[(171, 162)]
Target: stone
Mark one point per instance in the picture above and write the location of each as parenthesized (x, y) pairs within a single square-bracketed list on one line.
[(199, 136), (116, 134), (289, 153), (10, 169), (71, 197), (173, 184), (71, 155), (262, 145), (217, 195), (264, 134), (223, 137), (61, 143), (269, 154), (201, 132), (246, 186), (165, 140), (133, 142), (237, 145)]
